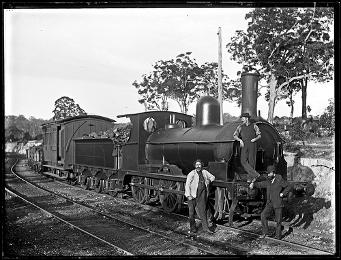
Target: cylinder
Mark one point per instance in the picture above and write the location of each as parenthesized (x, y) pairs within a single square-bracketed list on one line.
[(249, 93), (207, 111)]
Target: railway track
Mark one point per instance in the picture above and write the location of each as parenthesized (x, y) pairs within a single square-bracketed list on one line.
[(154, 242), (119, 250), (242, 235)]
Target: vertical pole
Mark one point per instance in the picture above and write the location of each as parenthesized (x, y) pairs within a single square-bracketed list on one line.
[(220, 88)]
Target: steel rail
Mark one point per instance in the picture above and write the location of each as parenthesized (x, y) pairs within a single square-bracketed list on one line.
[(114, 218), (48, 213), (244, 231), (55, 216), (269, 238)]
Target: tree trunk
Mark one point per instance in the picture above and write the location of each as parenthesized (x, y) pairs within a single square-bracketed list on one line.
[(291, 106), (272, 98), (304, 98)]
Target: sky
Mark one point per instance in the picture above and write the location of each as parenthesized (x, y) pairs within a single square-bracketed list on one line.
[(94, 55)]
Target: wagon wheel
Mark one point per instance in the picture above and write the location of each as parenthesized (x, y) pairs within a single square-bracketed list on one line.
[(140, 194), (111, 191), (171, 201), (73, 182), (99, 185), (86, 182)]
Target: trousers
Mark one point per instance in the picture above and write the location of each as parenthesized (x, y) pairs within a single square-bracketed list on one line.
[(198, 205), (248, 159), (278, 217)]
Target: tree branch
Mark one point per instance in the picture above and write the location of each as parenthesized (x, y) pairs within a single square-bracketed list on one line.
[(292, 79)]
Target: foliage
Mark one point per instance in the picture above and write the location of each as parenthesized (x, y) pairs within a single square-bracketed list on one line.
[(327, 119), (286, 45), (296, 130), (19, 127), (227, 118), (66, 107), (183, 80), (13, 133), (208, 83), (153, 91)]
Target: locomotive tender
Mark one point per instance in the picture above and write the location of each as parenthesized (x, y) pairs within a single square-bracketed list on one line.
[(160, 152)]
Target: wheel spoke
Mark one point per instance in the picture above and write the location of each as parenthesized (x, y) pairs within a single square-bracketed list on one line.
[(139, 193)]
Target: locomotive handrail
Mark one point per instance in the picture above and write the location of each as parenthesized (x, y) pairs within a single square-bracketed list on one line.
[(157, 175), (176, 142)]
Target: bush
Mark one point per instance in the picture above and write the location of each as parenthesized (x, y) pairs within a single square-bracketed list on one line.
[(327, 119)]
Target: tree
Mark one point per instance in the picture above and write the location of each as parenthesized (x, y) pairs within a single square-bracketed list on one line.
[(285, 45), (31, 127), (208, 83), (181, 77), (153, 92), (12, 133), (176, 79), (66, 107), (27, 136), (327, 119), (183, 80)]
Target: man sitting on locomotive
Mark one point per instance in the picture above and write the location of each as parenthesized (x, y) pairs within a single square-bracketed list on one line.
[(247, 134), (276, 189), (196, 191)]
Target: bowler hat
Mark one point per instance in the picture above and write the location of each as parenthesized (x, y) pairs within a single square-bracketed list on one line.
[(270, 168), (245, 115)]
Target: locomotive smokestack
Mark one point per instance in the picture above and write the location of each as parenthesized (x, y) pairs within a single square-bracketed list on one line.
[(249, 93), (207, 111)]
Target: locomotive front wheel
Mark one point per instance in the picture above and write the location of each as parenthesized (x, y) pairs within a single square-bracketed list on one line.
[(139, 193)]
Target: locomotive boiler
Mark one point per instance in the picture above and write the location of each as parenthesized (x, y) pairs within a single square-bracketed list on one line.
[(214, 143)]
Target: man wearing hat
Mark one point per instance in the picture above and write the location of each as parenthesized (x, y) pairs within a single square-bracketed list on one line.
[(247, 134), (276, 189), (196, 191)]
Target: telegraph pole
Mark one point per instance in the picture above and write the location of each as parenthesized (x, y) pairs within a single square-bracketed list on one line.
[(220, 87)]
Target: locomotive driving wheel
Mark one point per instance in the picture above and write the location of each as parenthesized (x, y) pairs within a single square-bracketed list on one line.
[(140, 194), (170, 201)]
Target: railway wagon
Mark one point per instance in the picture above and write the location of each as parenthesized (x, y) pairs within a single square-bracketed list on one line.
[(106, 166), (34, 156), (58, 145)]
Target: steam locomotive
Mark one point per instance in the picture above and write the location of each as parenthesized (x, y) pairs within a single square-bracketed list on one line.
[(160, 152)]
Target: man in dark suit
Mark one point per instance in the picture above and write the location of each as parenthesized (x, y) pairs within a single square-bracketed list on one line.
[(276, 189)]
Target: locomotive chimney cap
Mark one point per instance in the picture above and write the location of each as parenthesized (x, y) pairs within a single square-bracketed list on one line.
[(245, 115)]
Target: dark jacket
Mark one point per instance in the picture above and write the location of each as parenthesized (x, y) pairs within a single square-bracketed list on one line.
[(274, 189)]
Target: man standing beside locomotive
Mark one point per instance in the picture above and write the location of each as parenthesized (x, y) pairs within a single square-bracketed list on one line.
[(247, 134), (276, 189), (196, 191)]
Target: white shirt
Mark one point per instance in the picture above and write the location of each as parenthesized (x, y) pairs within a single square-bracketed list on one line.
[(192, 182)]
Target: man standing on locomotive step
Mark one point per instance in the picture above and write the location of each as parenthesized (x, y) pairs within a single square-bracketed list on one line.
[(276, 189), (247, 134), (196, 191)]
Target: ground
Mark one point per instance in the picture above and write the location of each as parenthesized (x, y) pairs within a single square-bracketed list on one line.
[(315, 213)]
